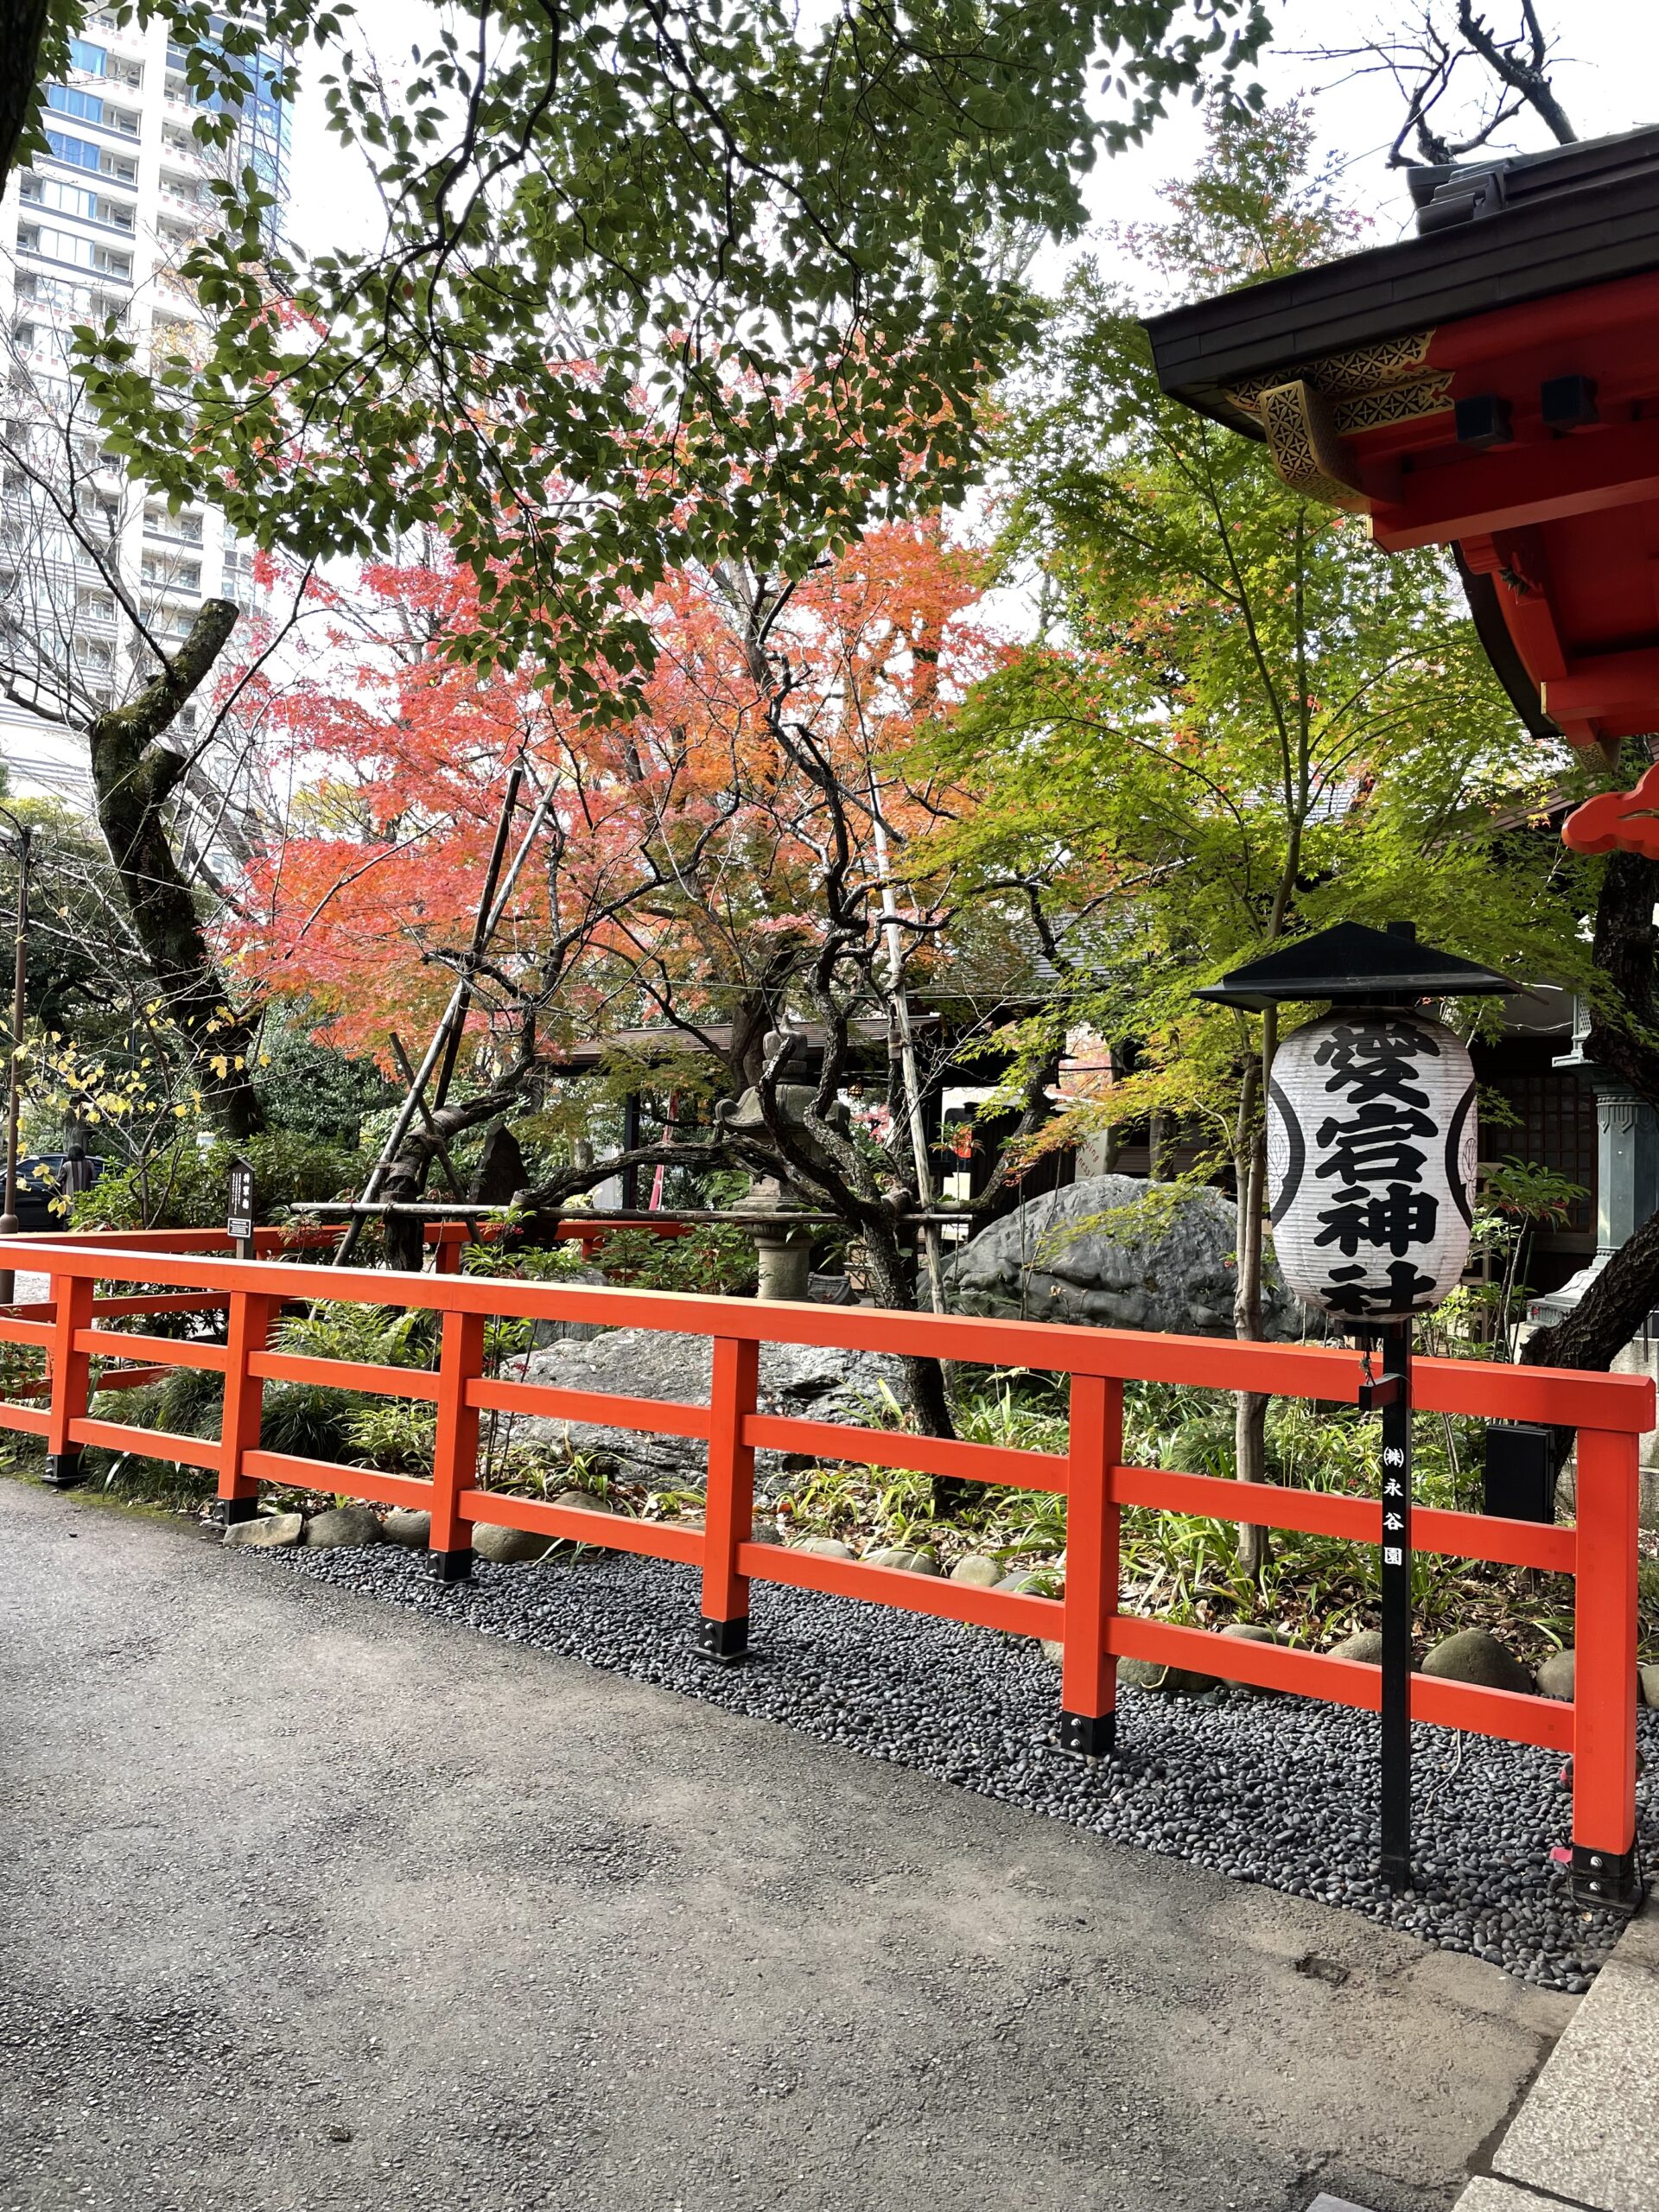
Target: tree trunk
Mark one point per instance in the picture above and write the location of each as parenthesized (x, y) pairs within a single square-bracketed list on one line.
[(1618, 1303), (1250, 1406), (22, 25), (134, 776), (405, 1180), (924, 1378)]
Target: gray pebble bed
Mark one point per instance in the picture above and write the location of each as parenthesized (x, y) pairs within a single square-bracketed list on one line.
[(1280, 1790)]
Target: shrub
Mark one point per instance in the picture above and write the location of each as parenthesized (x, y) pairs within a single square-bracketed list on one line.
[(713, 1259), (183, 1185)]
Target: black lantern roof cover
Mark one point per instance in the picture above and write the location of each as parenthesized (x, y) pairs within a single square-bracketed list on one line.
[(1353, 965)]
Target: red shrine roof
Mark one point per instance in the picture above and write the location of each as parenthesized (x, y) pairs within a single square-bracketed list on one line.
[(1491, 384)]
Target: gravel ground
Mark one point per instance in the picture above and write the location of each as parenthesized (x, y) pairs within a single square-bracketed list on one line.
[(1280, 1790)]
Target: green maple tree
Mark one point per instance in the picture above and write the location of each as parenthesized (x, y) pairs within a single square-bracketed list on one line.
[(1241, 723)]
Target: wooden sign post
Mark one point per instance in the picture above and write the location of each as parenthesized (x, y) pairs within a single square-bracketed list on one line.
[(239, 1223)]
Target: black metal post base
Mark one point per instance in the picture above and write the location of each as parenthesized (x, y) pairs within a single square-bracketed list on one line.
[(227, 1511), (724, 1642), (1089, 1735), (1395, 1871), (63, 1470), (1607, 1879), (454, 1567)]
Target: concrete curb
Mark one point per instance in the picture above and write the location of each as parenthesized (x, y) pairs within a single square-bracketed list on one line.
[(1587, 2131)]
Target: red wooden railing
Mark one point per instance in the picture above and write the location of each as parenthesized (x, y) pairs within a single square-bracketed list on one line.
[(1610, 1413)]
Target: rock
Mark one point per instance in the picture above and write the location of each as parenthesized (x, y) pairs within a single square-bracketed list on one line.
[(1554, 1677), (1053, 1649), (1103, 1251), (509, 1546), (575, 1333), (1172, 1681), (405, 1527), (813, 1381), (905, 1560), (583, 1501), (1033, 1582), (342, 1526), (1474, 1655), (1249, 1632), (268, 1532), (1649, 1679), (501, 1173), (764, 1532), (982, 1573), (824, 1547), (1365, 1645)]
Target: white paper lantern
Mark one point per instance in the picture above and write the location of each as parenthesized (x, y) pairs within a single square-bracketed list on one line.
[(1371, 1143)]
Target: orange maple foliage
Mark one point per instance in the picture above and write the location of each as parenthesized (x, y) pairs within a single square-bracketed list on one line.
[(684, 850)]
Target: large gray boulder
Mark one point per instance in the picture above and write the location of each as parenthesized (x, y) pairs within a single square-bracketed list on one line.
[(268, 1532), (343, 1527), (810, 1382), (1116, 1253), (1474, 1655)]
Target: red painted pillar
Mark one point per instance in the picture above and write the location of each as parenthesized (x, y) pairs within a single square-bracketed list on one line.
[(1087, 1676), (1604, 1702), (455, 1455), (71, 1375), (248, 1331), (723, 1632)]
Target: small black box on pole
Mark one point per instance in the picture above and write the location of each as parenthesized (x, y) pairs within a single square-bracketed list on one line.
[(239, 1223), (1520, 1471)]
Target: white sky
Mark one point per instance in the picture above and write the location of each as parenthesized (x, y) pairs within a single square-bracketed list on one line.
[(1607, 78)]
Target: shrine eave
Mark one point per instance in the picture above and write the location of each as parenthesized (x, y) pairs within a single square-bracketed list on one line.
[(1599, 221), (1491, 386)]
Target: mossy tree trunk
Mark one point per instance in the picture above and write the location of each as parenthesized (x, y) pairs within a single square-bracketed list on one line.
[(135, 774)]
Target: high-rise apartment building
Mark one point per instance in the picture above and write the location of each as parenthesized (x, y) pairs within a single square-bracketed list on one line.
[(98, 226)]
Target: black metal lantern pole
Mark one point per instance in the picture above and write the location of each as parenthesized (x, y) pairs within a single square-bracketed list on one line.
[(1369, 972), (1391, 1393)]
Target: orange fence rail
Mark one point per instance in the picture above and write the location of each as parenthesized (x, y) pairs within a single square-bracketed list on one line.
[(195, 1273)]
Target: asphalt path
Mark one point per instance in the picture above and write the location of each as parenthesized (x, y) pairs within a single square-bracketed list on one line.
[(312, 1901)]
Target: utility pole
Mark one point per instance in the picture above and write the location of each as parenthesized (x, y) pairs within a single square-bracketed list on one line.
[(14, 1095)]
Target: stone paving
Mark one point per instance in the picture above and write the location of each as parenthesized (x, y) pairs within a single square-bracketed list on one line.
[(1587, 2134), (313, 1902)]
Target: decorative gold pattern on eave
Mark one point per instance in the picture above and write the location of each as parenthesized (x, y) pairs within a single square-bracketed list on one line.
[(1400, 402), (1368, 387), (1343, 376), (1299, 426)]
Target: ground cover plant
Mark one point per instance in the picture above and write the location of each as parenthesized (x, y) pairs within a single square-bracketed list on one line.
[(1312, 1590)]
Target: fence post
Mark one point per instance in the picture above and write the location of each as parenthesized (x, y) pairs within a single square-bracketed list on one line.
[(70, 1374), (1603, 1688), (1088, 1674), (455, 1454), (723, 1632), (248, 1331)]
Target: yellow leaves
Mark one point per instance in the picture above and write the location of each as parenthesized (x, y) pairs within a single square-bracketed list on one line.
[(220, 1065)]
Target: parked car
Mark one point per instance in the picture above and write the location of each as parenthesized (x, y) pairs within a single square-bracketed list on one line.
[(44, 1176)]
